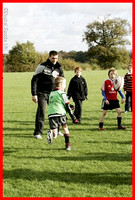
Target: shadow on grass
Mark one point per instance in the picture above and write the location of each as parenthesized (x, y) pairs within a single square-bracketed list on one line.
[(118, 157), (70, 177), (97, 156), (19, 122), (112, 142)]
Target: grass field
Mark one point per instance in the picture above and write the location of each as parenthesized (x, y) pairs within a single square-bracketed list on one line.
[(99, 165)]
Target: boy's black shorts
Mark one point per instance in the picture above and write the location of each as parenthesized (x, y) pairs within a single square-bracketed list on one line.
[(55, 122), (112, 105)]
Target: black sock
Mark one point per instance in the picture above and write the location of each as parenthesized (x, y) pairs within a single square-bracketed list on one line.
[(101, 124), (66, 139), (119, 121)]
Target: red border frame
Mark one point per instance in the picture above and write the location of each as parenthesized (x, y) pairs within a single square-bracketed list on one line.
[(1, 95)]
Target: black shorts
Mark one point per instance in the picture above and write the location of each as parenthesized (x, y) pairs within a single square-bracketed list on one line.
[(112, 105), (55, 122)]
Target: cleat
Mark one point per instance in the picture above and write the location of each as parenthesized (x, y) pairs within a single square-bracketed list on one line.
[(68, 148), (49, 137), (37, 136), (101, 129), (76, 122), (122, 127)]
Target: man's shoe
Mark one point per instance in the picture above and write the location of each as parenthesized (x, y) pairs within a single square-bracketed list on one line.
[(68, 148), (37, 136), (60, 133), (101, 129), (49, 137), (122, 127)]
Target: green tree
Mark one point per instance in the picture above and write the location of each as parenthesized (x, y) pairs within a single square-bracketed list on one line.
[(22, 57), (105, 39)]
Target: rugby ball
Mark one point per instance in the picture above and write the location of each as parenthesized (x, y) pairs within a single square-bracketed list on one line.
[(118, 83), (55, 73)]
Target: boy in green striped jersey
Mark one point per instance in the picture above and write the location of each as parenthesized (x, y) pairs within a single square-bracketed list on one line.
[(58, 108)]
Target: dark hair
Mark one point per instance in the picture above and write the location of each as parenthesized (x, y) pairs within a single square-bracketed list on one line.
[(54, 53)]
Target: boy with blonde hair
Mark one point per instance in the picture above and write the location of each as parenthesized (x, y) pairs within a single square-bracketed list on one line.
[(110, 100), (58, 107)]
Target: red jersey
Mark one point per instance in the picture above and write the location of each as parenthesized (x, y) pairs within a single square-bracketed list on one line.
[(108, 88)]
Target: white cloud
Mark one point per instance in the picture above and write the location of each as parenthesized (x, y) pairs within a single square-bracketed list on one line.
[(58, 26)]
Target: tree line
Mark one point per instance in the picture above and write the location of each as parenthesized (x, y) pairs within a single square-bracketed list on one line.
[(106, 42)]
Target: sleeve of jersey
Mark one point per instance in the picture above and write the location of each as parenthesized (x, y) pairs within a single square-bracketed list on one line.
[(121, 94), (103, 91), (125, 83), (85, 88), (69, 91), (65, 98)]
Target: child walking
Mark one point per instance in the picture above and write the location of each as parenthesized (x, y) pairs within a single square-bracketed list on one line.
[(110, 100), (78, 91), (58, 107)]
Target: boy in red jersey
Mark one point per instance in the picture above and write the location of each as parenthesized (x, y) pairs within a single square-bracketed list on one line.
[(110, 100)]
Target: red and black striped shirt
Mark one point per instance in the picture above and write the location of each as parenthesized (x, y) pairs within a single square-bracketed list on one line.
[(128, 82)]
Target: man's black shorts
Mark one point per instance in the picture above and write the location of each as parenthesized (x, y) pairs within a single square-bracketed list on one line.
[(55, 122), (112, 105)]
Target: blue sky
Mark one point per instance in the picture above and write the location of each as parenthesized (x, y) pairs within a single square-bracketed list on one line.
[(58, 26)]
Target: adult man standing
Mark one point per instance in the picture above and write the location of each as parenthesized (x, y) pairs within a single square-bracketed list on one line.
[(41, 85)]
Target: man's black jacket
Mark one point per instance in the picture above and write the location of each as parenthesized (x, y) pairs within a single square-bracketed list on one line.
[(43, 78)]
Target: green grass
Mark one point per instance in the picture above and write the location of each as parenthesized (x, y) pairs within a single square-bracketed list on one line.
[(99, 165)]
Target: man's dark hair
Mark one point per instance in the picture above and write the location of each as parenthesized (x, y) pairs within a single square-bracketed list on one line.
[(54, 53)]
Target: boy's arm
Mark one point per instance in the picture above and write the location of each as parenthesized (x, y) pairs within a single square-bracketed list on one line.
[(122, 96), (68, 108), (103, 93), (85, 88), (70, 112), (104, 96)]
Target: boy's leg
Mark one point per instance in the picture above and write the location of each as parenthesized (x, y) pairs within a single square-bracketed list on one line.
[(59, 133), (51, 134), (119, 118), (102, 119), (78, 110), (66, 135)]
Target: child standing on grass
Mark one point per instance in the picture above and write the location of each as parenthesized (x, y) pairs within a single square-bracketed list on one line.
[(58, 107), (78, 91), (128, 89), (110, 100)]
